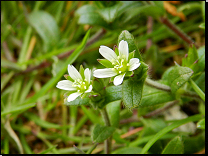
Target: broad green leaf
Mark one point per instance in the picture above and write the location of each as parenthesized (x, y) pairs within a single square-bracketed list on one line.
[(193, 144), (178, 76), (126, 36), (152, 96), (175, 146), (101, 133), (55, 79), (113, 109), (127, 150), (88, 15), (46, 27), (132, 93), (113, 93), (201, 124), (17, 108), (86, 9), (109, 13), (169, 128)]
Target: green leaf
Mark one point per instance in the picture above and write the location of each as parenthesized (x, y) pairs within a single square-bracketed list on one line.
[(132, 93), (113, 109), (141, 72), (127, 150), (105, 63), (126, 36), (101, 133), (113, 93), (152, 96), (191, 58), (17, 108), (55, 79), (88, 15), (178, 76), (175, 146), (201, 55), (201, 124), (81, 71), (167, 129), (46, 27), (109, 13)]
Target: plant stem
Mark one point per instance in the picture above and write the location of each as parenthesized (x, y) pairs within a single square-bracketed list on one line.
[(197, 89), (157, 85), (107, 123), (177, 31)]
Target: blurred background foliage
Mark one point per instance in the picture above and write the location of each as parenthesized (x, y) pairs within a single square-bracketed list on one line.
[(38, 37)]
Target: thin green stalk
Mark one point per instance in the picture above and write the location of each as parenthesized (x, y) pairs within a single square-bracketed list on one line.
[(64, 119), (73, 118), (107, 123), (6, 145), (197, 89)]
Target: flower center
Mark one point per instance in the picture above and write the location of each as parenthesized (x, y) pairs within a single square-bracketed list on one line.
[(120, 65), (81, 85)]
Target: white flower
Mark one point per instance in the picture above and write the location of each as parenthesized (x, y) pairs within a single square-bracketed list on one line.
[(118, 65), (78, 82)]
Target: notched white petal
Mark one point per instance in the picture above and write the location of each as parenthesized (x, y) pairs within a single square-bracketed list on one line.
[(73, 73), (134, 64), (107, 53), (123, 49), (104, 73), (73, 96), (118, 79), (87, 74), (89, 89), (65, 85)]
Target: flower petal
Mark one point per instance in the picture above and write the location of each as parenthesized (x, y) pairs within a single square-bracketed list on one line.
[(118, 79), (73, 73), (89, 89), (65, 85), (134, 64), (87, 74), (104, 73), (73, 96), (107, 53), (123, 49)]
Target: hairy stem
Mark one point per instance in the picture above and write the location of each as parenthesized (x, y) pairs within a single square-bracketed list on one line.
[(177, 30), (157, 85)]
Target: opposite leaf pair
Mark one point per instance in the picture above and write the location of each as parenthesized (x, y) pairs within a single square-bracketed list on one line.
[(119, 64)]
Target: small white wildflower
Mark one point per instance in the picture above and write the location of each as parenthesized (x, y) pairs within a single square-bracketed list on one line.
[(80, 83), (120, 63)]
